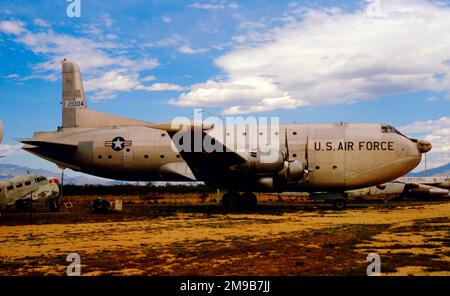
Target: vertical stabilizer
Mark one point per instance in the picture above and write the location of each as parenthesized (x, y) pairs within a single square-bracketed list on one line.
[(73, 98)]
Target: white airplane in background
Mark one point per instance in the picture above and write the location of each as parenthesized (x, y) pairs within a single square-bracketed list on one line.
[(406, 186), (22, 191)]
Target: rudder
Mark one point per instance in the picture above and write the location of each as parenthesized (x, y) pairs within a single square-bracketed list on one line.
[(73, 98)]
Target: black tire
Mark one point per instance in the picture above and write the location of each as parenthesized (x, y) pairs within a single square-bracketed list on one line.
[(248, 200), (230, 200), (339, 204)]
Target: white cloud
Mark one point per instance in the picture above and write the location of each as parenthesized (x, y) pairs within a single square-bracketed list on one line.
[(166, 19), (189, 50), (106, 66), (148, 78), (232, 94), (41, 23), (12, 76), (107, 20), (6, 149), (438, 133), (331, 56), (106, 86), (12, 27), (173, 40), (115, 80), (163, 87), (103, 95), (214, 5)]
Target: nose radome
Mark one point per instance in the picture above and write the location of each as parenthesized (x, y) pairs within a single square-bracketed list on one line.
[(423, 146)]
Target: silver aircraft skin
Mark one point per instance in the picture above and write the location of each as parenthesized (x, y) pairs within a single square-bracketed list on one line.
[(312, 157)]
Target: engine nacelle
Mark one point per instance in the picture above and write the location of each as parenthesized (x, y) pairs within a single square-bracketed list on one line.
[(256, 165), (292, 171)]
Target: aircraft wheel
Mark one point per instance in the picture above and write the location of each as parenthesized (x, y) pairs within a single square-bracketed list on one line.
[(230, 200), (248, 200), (339, 204)]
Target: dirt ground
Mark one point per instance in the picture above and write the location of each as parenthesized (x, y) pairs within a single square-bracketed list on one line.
[(412, 238)]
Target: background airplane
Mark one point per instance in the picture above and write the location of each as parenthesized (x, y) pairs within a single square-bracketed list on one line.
[(22, 191), (401, 188), (321, 158)]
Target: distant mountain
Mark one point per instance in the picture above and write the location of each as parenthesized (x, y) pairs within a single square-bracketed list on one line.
[(8, 171), (439, 171)]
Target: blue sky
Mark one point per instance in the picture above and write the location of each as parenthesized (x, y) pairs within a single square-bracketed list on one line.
[(304, 61)]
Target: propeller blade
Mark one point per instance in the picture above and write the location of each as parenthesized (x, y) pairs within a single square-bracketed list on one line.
[(306, 162), (286, 145)]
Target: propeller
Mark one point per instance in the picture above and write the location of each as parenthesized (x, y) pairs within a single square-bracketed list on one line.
[(286, 145), (288, 160), (286, 155), (306, 161)]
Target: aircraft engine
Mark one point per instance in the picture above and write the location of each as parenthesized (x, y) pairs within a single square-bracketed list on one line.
[(256, 164), (292, 171)]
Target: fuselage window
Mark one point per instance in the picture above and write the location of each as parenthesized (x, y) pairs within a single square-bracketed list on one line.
[(27, 183), (19, 185), (9, 188)]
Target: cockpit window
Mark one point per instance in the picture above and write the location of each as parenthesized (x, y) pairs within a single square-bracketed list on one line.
[(391, 129)]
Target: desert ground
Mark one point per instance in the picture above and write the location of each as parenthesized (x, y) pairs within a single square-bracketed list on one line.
[(277, 238)]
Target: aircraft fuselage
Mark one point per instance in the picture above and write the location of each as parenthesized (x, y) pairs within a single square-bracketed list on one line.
[(341, 156)]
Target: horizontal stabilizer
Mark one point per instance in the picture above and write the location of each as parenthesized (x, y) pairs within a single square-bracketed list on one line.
[(47, 144)]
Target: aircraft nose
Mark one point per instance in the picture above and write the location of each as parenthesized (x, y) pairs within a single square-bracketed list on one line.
[(423, 146)]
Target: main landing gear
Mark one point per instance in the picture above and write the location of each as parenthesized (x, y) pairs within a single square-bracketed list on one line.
[(233, 200)]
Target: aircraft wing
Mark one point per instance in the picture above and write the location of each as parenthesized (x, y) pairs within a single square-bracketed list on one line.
[(209, 166), (417, 188)]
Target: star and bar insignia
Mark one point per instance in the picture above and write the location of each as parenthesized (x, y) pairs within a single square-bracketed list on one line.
[(118, 143)]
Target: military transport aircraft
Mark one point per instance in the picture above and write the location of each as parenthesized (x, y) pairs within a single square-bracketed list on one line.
[(326, 159), (22, 191)]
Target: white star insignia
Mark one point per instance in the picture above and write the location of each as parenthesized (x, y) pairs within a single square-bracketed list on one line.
[(118, 144)]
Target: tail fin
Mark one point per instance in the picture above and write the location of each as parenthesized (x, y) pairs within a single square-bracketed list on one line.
[(74, 109), (73, 98)]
